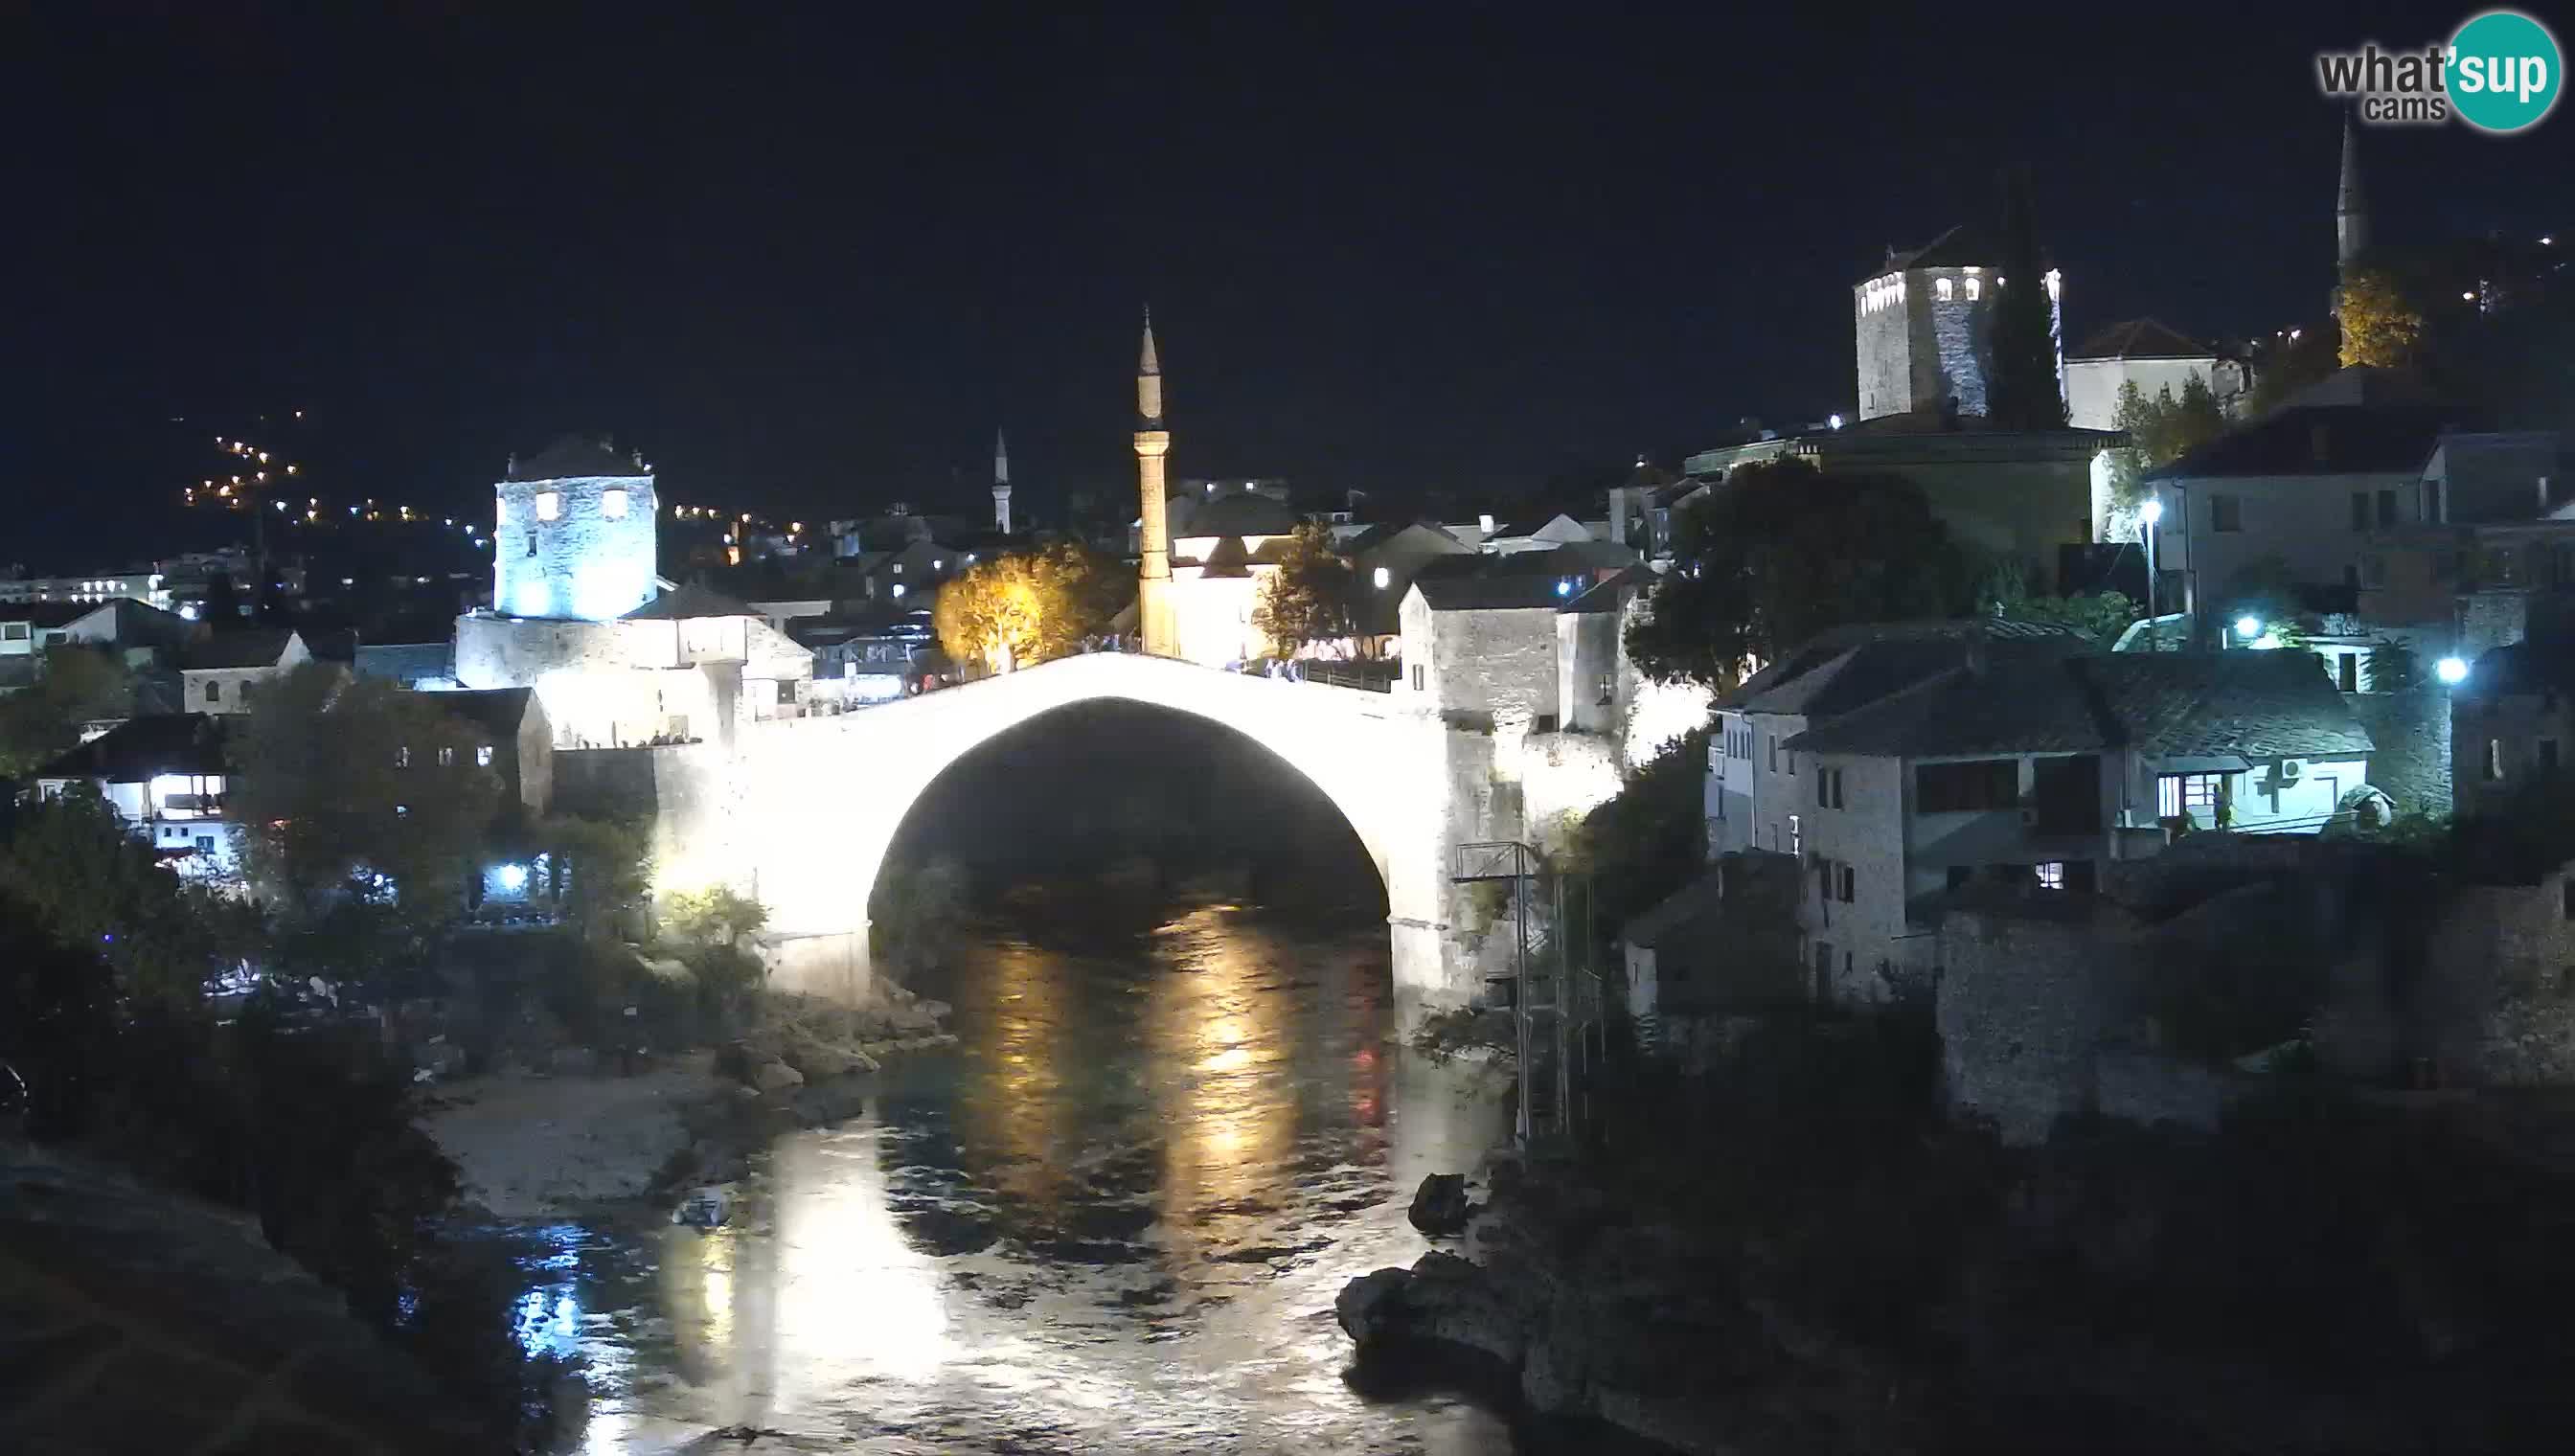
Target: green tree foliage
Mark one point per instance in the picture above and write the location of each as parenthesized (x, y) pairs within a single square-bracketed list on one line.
[(2025, 392), (916, 912), (2393, 667), (1779, 553), (2290, 364), (1027, 607), (712, 916), (76, 685), (607, 863), (1649, 838), (1310, 597), (2381, 327), (75, 868), (338, 780)]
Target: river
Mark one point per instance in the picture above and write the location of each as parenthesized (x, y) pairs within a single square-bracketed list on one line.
[(1113, 1217)]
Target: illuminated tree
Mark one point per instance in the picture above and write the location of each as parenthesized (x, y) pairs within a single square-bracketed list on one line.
[(2381, 328), (1025, 608), (2160, 430), (1779, 552), (339, 781), (1309, 599)]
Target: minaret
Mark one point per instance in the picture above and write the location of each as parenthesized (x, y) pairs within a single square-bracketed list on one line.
[(2351, 206), (1000, 484), (1154, 618)]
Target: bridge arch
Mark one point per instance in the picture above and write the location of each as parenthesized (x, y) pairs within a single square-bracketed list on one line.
[(816, 803)]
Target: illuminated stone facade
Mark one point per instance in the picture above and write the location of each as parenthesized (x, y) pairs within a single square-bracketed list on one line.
[(573, 535)]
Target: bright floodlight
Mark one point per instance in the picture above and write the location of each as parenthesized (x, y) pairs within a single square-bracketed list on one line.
[(2451, 671), (514, 877), (2248, 627), (2151, 512)]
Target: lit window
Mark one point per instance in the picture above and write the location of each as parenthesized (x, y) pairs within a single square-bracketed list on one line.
[(897, 588), (937, 563), (612, 503), (549, 505), (1383, 577), (483, 756), (2197, 794), (1944, 289), (2494, 760), (402, 756), (447, 756), (2052, 875), (1975, 289)]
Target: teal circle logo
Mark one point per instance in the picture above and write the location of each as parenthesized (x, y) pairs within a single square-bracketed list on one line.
[(2504, 72)]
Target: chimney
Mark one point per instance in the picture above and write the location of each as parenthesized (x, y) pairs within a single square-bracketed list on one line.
[(1619, 515)]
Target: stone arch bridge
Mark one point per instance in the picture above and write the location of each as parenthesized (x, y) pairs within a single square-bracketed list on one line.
[(800, 813)]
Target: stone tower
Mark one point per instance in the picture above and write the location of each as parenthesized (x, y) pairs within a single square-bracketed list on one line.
[(1923, 325), (574, 534), (1000, 484), (1153, 619), (2351, 205)]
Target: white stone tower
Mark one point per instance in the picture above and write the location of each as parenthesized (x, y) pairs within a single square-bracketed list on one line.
[(1000, 484), (1153, 616), (2351, 205), (574, 533), (1923, 325)]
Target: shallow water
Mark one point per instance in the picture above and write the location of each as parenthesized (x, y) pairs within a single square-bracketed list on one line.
[(1115, 1216)]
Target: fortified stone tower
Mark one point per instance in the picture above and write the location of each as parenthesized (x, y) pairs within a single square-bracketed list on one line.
[(1923, 325), (1000, 484), (1153, 567), (574, 534)]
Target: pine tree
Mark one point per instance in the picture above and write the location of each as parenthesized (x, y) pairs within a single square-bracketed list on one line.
[(2025, 393)]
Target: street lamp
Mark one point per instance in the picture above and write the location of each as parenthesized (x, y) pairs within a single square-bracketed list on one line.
[(2451, 671), (2152, 513), (2248, 627)]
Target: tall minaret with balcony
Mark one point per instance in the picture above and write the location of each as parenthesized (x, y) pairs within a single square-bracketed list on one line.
[(1000, 484), (1153, 619)]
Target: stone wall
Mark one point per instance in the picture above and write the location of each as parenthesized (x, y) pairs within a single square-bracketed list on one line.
[(585, 562), (2024, 1006), (2501, 985)]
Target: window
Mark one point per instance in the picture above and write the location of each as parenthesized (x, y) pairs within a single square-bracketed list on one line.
[(214, 690), (205, 843), (2360, 509), (1828, 789), (2347, 671), (1989, 783), (1609, 689), (1944, 289), (483, 755), (1774, 752), (2492, 769), (1849, 877), (402, 756), (1796, 835), (2387, 508), (1824, 970), (447, 756), (1975, 289), (2051, 875), (1420, 673), (13, 632), (2432, 500), (2547, 755), (532, 542), (612, 503), (2225, 513), (786, 691), (2195, 795), (549, 505)]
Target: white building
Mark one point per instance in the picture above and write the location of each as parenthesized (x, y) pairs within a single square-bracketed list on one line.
[(2153, 357), (2306, 486), (165, 775), (221, 673), (2031, 769)]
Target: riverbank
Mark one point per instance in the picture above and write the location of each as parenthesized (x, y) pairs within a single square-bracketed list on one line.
[(533, 1145)]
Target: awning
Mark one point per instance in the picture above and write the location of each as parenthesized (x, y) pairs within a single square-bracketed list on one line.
[(2212, 763)]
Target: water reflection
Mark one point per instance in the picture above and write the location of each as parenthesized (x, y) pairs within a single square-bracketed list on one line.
[(1117, 1215)]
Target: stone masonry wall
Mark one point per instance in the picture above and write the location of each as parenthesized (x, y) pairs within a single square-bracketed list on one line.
[(2411, 729)]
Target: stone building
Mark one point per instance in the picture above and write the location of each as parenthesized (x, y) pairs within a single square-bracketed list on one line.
[(1924, 326), (2512, 726), (2153, 357), (221, 673), (574, 534)]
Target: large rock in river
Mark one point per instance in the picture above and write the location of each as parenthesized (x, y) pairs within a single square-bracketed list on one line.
[(1442, 1300), (1440, 1206)]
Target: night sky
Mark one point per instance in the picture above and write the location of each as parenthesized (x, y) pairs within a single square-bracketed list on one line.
[(809, 264)]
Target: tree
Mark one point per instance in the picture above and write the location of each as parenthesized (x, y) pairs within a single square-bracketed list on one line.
[(1310, 597), (2290, 363), (2160, 430), (1025, 608), (2381, 328), (1779, 553), (2101, 615), (2025, 392), (78, 872), (714, 916), (75, 685), (358, 793), (607, 865)]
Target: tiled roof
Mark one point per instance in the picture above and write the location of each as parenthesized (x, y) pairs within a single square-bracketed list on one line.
[(2141, 338), (256, 648), (1849, 667), (138, 748), (576, 456), (406, 662), (687, 603), (2253, 705), (2304, 439)]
